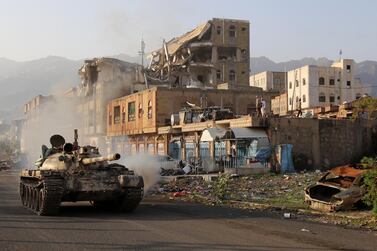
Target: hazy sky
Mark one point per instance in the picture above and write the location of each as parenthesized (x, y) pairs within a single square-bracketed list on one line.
[(280, 30)]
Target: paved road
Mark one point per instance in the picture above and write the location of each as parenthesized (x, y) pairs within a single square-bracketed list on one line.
[(163, 226)]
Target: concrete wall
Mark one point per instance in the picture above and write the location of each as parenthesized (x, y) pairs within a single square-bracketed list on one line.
[(323, 144)]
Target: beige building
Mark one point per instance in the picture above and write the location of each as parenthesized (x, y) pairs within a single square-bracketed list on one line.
[(103, 79), (142, 122), (270, 81), (213, 53), (279, 105), (322, 86)]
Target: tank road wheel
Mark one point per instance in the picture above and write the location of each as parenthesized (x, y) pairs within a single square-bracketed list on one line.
[(50, 196), (35, 198), (32, 198), (40, 200), (36, 191), (27, 196), (22, 194)]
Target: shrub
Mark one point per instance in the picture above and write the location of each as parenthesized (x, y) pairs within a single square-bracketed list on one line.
[(220, 187), (370, 183)]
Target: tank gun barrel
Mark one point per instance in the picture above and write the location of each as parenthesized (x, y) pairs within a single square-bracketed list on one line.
[(87, 161)]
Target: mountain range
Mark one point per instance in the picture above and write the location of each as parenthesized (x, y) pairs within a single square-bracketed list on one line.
[(21, 81)]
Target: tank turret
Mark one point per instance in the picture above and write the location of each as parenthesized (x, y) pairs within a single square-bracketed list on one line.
[(68, 172)]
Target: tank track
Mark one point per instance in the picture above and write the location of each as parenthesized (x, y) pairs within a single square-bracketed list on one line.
[(43, 198), (131, 199)]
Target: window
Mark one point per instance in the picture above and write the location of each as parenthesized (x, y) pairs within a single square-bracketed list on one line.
[(348, 83), (243, 29), (110, 118), (117, 114), (321, 81), (322, 97), (348, 68), (218, 75), (131, 111), (232, 31), (218, 30), (290, 85), (290, 101), (332, 98), (140, 111), (303, 81), (232, 75), (304, 98), (297, 83), (332, 81), (150, 109), (123, 114)]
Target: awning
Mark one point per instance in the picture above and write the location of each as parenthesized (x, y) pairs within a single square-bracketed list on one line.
[(212, 134), (249, 133)]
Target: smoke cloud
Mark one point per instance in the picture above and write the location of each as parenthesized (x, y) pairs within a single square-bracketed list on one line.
[(58, 116)]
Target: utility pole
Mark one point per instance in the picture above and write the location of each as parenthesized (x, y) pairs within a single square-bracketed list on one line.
[(142, 51)]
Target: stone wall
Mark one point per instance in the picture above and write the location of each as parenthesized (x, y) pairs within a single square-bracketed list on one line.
[(323, 144)]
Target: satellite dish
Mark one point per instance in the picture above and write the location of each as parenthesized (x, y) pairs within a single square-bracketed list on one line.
[(57, 141)]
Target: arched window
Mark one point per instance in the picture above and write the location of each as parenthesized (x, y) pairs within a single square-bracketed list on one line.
[(321, 81), (297, 83), (290, 101), (332, 98), (332, 81), (303, 81), (149, 109), (232, 75), (303, 98), (322, 97), (232, 31)]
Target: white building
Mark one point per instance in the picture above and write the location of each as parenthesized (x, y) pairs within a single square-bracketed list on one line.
[(269, 81), (323, 86)]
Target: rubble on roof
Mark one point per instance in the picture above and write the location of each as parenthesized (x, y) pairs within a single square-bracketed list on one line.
[(172, 60)]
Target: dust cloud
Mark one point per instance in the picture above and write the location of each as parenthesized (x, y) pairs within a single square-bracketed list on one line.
[(58, 116), (148, 166)]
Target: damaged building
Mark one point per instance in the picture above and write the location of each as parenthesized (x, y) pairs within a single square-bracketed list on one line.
[(213, 53), (103, 79)]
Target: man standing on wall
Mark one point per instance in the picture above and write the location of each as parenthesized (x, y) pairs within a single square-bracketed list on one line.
[(299, 111), (263, 107), (258, 106)]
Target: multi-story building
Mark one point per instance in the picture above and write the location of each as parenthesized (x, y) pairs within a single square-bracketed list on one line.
[(103, 79), (142, 122), (270, 81), (322, 86), (213, 53)]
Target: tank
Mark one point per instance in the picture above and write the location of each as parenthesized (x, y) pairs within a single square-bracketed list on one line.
[(68, 172)]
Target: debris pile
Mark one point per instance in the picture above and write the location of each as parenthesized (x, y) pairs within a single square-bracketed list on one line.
[(268, 188)]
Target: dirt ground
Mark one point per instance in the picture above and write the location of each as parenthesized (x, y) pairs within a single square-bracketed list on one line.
[(282, 193)]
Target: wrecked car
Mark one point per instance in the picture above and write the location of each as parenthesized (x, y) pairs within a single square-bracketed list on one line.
[(339, 189)]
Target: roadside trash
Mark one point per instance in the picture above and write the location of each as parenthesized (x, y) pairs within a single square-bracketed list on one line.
[(179, 194), (287, 215), (305, 230), (187, 169)]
